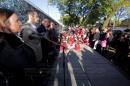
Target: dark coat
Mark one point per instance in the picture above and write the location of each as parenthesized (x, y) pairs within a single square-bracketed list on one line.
[(41, 29), (32, 39), (54, 35), (44, 43), (91, 37), (14, 54)]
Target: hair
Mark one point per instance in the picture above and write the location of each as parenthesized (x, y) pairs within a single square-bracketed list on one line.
[(45, 19), (5, 14), (30, 12)]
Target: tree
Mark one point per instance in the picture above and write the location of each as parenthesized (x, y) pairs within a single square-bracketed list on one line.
[(115, 8), (90, 11), (77, 10), (67, 20)]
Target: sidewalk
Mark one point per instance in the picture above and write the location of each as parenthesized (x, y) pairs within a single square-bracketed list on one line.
[(86, 68)]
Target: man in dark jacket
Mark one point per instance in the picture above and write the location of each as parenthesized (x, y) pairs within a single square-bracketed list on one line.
[(43, 29), (44, 26), (53, 52), (30, 34)]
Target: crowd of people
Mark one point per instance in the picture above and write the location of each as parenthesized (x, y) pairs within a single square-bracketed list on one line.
[(25, 45), (74, 36), (99, 40)]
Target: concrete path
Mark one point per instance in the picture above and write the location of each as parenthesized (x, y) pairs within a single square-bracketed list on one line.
[(86, 68)]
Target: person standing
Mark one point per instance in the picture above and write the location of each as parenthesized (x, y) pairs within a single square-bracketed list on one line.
[(96, 38), (91, 36), (43, 29), (103, 41), (30, 34), (15, 55), (52, 34), (51, 46)]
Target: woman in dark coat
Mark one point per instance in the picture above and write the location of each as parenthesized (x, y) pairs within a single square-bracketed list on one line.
[(14, 54)]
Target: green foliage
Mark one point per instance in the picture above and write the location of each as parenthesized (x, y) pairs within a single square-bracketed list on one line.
[(67, 20), (115, 8), (88, 11)]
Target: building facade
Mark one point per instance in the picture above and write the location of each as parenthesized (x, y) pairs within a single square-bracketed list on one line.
[(21, 6)]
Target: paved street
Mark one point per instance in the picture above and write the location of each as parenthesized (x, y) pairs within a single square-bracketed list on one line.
[(86, 68)]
